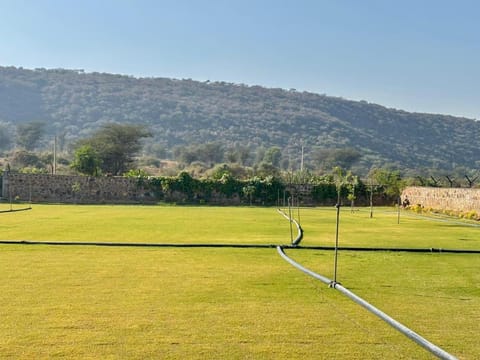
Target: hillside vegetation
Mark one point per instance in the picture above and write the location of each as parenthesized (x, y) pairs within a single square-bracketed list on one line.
[(186, 112)]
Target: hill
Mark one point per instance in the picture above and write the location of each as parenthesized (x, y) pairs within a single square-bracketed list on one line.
[(185, 112)]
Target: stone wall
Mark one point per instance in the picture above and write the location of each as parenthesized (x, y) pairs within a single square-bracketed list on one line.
[(73, 189), (457, 199), (46, 188)]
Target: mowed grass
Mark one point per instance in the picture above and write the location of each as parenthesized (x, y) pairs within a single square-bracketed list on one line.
[(383, 230), (146, 224), (138, 303), (179, 224)]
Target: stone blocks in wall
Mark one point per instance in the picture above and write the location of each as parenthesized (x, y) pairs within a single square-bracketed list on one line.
[(457, 199), (73, 189)]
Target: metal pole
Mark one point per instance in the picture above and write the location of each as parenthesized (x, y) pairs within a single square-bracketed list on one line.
[(30, 192), (54, 167), (371, 201), (290, 218), (398, 216), (298, 209), (10, 191), (301, 163), (336, 244)]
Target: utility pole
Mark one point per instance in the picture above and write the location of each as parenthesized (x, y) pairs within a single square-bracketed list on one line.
[(54, 166), (301, 162)]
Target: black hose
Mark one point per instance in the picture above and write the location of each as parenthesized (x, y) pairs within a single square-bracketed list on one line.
[(372, 249), (15, 210), (119, 244), (298, 239), (238, 246)]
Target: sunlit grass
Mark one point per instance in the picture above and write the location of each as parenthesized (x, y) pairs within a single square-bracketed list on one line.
[(178, 224), (358, 229), (137, 303), (167, 224)]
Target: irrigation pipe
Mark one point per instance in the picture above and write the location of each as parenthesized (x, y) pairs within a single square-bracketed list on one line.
[(386, 249), (239, 246), (119, 244), (15, 210), (296, 241), (435, 350)]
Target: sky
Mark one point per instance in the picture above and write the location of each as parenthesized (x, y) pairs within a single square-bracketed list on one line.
[(421, 55)]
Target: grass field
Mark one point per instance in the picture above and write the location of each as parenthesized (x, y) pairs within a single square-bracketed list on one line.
[(138, 303)]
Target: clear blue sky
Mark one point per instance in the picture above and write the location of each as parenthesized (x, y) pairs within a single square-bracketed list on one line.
[(421, 55)]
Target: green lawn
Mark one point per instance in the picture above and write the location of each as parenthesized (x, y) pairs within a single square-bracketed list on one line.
[(139, 303), (150, 224)]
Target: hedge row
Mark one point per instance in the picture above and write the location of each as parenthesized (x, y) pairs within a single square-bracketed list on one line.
[(228, 190)]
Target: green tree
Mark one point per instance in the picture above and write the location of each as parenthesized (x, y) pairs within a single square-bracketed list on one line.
[(352, 183), (392, 183), (248, 191), (116, 146), (22, 159), (244, 155), (86, 161), (29, 134), (390, 180), (272, 156), (5, 137), (340, 177), (210, 153), (329, 158), (266, 169)]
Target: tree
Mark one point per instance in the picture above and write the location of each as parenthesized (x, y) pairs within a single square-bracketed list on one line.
[(86, 161), (22, 159), (248, 191), (392, 183), (329, 158), (352, 183), (29, 134), (272, 156), (266, 169), (344, 179), (243, 155), (211, 152), (185, 154), (390, 180), (5, 137), (116, 145)]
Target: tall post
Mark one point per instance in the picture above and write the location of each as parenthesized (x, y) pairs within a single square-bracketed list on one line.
[(10, 191), (30, 192), (398, 216), (336, 244), (290, 218), (371, 201), (54, 167), (301, 163), (298, 209)]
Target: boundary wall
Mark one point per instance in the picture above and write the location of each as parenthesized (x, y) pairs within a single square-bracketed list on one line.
[(457, 199), (72, 189)]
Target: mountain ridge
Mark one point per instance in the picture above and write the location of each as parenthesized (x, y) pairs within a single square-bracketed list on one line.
[(183, 112)]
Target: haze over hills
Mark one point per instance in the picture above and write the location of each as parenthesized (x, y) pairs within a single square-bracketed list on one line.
[(185, 112)]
